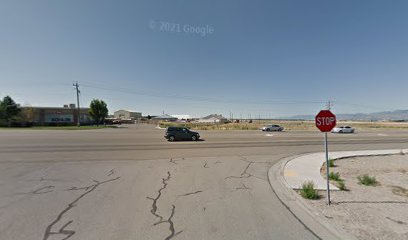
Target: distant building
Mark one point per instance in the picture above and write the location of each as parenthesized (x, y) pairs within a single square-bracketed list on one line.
[(127, 115), (181, 117), (213, 118), (165, 117), (66, 115)]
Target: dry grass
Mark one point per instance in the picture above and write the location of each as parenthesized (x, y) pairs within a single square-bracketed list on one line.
[(288, 125), (367, 180), (255, 125), (206, 126), (377, 125)]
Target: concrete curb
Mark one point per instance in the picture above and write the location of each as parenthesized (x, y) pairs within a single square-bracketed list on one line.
[(312, 219)]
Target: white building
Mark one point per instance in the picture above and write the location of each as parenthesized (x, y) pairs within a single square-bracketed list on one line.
[(127, 114), (213, 118), (165, 117), (181, 116)]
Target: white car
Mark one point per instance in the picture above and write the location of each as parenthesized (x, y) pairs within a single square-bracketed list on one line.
[(270, 128), (343, 129)]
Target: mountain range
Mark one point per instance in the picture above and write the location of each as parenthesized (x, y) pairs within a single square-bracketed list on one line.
[(397, 115)]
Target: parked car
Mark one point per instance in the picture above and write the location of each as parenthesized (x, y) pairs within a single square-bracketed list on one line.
[(181, 133), (343, 129), (119, 122), (270, 128)]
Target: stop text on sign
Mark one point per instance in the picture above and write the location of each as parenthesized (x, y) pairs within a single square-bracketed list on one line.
[(325, 121)]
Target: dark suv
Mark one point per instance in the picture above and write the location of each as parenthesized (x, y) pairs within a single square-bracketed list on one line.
[(181, 133)]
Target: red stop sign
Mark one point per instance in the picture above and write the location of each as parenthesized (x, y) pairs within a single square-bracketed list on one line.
[(325, 121)]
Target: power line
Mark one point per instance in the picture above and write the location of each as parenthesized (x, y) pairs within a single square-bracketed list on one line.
[(329, 104), (362, 105), (205, 99)]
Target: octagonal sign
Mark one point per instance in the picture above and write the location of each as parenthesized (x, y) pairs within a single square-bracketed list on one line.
[(325, 121)]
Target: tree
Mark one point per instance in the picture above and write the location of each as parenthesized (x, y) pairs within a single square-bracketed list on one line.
[(98, 111), (28, 114), (8, 110)]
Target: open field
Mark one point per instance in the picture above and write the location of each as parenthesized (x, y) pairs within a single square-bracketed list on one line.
[(288, 125), (370, 212)]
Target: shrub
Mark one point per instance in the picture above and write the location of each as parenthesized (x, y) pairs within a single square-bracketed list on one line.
[(367, 180), (334, 176), (308, 191), (331, 163)]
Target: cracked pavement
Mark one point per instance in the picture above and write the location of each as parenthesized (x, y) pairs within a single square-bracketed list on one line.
[(178, 191), (62, 231)]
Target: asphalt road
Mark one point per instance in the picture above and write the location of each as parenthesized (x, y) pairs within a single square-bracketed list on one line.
[(129, 183)]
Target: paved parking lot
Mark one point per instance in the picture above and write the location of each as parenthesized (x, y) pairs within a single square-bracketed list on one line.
[(129, 183)]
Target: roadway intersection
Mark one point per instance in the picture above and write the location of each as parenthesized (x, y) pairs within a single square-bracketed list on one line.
[(129, 183)]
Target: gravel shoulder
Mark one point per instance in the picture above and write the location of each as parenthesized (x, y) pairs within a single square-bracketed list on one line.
[(370, 212)]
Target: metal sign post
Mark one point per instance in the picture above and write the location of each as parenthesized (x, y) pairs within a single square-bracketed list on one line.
[(326, 121), (327, 167)]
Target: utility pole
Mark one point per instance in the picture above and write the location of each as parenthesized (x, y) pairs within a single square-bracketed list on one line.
[(329, 105), (78, 109)]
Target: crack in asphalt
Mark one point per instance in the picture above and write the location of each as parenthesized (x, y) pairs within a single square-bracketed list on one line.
[(62, 230), (41, 190), (174, 161), (154, 204), (245, 170), (246, 160), (173, 232), (191, 193), (68, 233), (396, 221), (244, 173), (111, 172), (82, 188), (244, 187)]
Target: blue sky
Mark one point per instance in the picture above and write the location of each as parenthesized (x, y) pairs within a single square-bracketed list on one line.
[(268, 58)]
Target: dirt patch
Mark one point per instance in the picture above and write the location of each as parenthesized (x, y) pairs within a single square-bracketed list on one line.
[(400, 191), (370, 212)]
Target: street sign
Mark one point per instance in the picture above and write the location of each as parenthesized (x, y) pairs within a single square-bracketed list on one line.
[(325, 120)]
